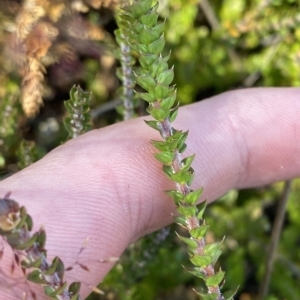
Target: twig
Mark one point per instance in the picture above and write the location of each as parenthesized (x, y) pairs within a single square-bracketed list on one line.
[(276, 231), (253, 77), (215, 25), (102, 109)]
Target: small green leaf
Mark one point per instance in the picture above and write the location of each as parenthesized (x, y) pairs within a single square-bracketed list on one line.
[(182, 148), (157, 46), (148, 36), (147, 60), (158, 67), (210, 248), (181, 136), (165, 157), (50, 292), (166, 77), (23, 216), (29, 222), (183, 177), (41, 238), (187, 162), (53, 266), (159, 28), (198, 273), (190, 242), (193, 196), (199, 232), (167, 57), (173, 114), (146, 96), (139, 48), (119, 40), (149, 20), (159, 91), (214, 251), (164, 146), (181, 221), (201, 208), (154, 124), (53, 293), (60, 269), (136, 29), (60, 290), (74, 288), (175, 195), (31, 264), (158, 113), (141, 8), (215, 280), (201, 260), (167, 170), (187, 211), (36, 277), (215, 256), (27, 244), (168, 102), (119, 73), (145, 82)]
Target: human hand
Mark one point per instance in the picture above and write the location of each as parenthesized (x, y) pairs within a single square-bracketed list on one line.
[(106, 185)]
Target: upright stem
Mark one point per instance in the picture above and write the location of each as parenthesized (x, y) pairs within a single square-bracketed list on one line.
[(191, 222), (127, 79), (279, 218)]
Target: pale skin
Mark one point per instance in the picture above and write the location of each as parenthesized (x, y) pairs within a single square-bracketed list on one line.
[(106, 186)]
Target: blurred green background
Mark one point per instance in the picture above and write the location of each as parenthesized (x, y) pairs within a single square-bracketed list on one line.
[(215, 46)]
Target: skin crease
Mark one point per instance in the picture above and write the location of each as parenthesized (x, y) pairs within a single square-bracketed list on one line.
[(107, 186)]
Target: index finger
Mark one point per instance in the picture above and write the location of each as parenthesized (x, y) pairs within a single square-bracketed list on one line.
[(107, 186)]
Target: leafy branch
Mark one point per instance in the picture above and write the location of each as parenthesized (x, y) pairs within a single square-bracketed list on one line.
[(124, 54), (78, 120), (15, 227), (155, 77)]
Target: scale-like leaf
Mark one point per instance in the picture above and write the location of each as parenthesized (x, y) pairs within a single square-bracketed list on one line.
[(158, 67), (190, 242), (36, 277), (216, 279), (157, 46), (153, 124), (149, 20), (141, 8), (165, 157), (158, 113), (193, 197), (201, 260), (187, 162), (187, 211), (168, 102), (145, 82), (147, 60), (165, 77), (175, 195), (199, 232)]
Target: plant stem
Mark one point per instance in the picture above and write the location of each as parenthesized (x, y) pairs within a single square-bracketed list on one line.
[(191, 222), (126, 61), (276, 231), (215, 25)]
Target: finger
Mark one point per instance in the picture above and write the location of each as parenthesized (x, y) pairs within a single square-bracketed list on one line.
[(107, 186)]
